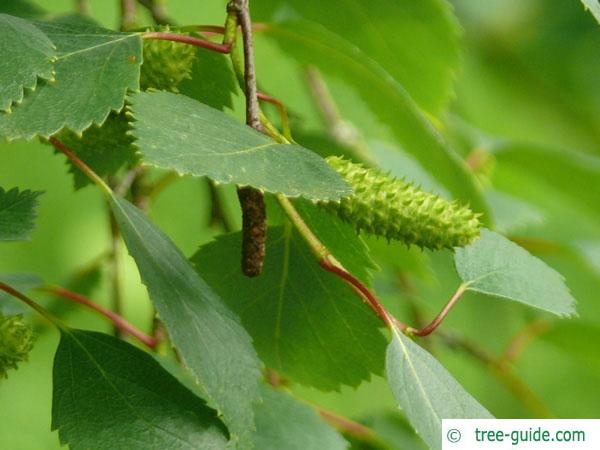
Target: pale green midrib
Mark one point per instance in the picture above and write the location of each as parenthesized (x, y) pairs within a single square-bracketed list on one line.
[(95, 47), (214, 153), (413, 370), (216, 401)]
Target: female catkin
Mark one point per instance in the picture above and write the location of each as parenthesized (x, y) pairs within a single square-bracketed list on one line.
[(386, 206)]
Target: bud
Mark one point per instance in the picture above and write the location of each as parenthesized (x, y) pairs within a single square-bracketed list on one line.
[(386, 206), (16, 341), (166, 64)]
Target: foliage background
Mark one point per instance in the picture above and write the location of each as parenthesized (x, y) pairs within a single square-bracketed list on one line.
[(528, 73)]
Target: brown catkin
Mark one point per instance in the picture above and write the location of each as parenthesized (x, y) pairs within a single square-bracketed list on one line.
[(254, 230)]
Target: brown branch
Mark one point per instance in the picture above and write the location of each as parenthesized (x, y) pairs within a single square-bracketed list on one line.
[(252, 109), (254, 226), (341, 130), (190, 40), (343, 424), (83, 7), (122, 324), (503, 372), (157, 11), (349, 427), (522, 339), (128, 14)]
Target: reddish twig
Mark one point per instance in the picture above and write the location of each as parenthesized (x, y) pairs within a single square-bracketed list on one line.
[(283, 113), (119, 322), (19, 295), (369, 298), (190, 40), (58, 145), (428, 329), (214, 29)]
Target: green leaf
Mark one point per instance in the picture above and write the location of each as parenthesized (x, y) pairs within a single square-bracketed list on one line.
[(94, 69), (312, 44), (423, 59), (17, 214), (425, 390), (105, 149), (212, 80), (209, 337), (179, 133), (306, 324), (495, 266), (579, 172), (284, 423), (561, 209), (27, 54), (592, 6), (21, 8), (108, 394)]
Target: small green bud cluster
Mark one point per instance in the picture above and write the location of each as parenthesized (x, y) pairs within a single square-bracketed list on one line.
[(166, 64), (386, 206), (16, 341)]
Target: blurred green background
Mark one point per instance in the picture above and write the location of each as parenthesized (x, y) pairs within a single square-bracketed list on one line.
[(526, 83)]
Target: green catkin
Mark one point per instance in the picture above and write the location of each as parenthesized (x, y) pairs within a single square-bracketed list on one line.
[(386, 206), (166, 64), (16, 341)]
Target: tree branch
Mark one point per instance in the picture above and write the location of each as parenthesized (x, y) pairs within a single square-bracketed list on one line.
[(501, 370), (58, 145), (128, 14), (283, 114), (343, 424), (83, 7), (242, 10), (32, 304), (190, 40), (522, 339), (122, 324), (157, 11), (328, 262), (428, 329), (254, 224)]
